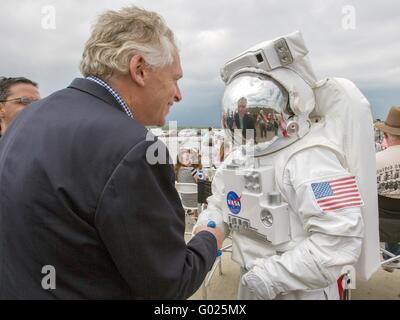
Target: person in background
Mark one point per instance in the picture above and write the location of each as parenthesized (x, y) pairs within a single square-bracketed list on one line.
[(209, 149), (207, 139), (262, 122), (188, 169), (388, 168), (243, 120), (15, 94), (188, 166)]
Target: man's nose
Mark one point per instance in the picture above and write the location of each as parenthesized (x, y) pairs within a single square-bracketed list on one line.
[(178, 95)]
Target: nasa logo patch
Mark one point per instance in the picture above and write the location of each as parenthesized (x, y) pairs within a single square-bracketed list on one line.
[(233, 202)]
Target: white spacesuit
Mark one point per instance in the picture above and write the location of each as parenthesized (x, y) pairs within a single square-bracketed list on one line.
[(300, 201)]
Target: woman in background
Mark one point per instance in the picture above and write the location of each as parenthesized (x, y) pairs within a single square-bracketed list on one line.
[(188, 168)]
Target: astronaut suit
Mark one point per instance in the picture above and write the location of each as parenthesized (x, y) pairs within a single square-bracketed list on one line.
[(300, 205)]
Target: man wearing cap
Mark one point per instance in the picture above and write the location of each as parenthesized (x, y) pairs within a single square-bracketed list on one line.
[(388, 164)]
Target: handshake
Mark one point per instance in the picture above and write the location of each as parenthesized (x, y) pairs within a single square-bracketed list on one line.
[(212, 222)]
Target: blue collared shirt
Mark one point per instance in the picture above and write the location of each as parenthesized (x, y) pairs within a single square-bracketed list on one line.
[(114, 93)]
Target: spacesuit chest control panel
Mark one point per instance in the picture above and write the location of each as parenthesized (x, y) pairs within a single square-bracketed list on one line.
[(253, 207)]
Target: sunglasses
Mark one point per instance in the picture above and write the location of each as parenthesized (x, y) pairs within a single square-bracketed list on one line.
[(22, 100)]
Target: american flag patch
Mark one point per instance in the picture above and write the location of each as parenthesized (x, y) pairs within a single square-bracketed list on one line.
[(337, 194)]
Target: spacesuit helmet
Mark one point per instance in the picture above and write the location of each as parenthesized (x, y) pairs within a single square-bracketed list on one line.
[(268, 95)]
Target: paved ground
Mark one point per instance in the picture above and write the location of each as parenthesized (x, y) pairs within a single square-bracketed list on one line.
[(382, 285)]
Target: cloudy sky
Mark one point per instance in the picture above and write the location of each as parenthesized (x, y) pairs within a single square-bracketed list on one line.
[(358, 40)]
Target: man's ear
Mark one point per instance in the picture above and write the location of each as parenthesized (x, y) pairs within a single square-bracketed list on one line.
[(137, 69)]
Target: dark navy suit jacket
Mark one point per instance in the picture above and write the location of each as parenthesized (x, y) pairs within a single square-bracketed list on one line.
[(77, 193)]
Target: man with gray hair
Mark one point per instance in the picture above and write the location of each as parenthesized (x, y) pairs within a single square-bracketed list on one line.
[(84, 215), (244, 121)]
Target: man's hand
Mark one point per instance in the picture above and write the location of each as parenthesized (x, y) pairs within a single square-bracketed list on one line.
[(218, 234), (208, 216)]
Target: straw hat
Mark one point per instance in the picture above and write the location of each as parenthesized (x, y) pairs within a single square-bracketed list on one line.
[(392, 123)]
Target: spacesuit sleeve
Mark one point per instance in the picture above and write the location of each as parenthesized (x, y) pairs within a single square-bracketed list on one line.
[(335, 235)]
